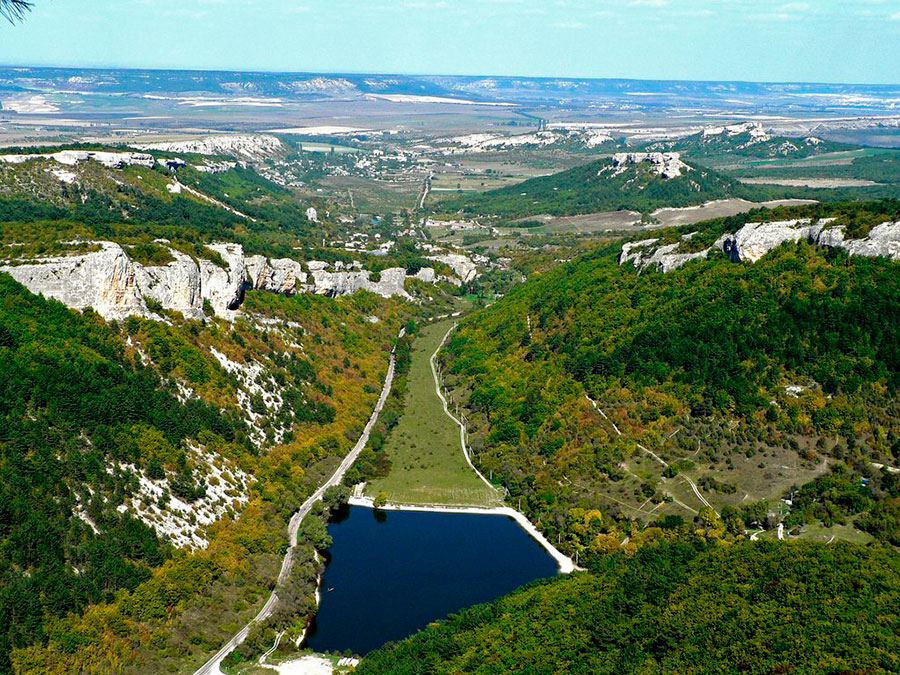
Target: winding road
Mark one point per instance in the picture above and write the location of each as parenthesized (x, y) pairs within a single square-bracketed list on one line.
[(211, 667), (426, 189)]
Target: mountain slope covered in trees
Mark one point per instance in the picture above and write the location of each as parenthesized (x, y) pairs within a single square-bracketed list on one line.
[(720, 382), (748, 141), (679, 608), (90, 415), (597, 186), (93, 412)]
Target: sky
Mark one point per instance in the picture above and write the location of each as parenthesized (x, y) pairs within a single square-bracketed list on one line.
[(851, 41)]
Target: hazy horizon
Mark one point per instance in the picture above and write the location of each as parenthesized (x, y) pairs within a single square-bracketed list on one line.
[(413, 74), (673, 40)]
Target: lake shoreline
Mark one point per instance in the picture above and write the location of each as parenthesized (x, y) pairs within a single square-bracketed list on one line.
[(565, 564)]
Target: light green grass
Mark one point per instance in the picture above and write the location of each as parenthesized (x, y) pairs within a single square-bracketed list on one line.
[(818, 532), (424, 447)]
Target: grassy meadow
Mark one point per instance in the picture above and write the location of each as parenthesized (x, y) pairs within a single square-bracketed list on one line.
[(424, 447)]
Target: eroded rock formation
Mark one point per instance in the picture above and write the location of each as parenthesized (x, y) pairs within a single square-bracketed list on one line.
[(666, 164), (754, 240), (116, 286)]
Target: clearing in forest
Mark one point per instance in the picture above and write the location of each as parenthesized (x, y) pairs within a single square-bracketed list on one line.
[(429, 466)]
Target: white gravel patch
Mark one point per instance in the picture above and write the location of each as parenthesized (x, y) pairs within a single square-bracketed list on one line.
[(306, 665)]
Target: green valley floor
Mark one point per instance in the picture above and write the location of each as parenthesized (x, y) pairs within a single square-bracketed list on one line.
[(429, 467)]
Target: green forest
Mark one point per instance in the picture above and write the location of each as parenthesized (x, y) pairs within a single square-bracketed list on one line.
[(744, 145), (133, 203), (89, 408), (595, 187), (71, 403), (679, 607), (881, 166), (693, 366)]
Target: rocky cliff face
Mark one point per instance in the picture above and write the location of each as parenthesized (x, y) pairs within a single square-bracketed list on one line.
[(754, 240), (175, 286), (390, 283), (242, 146), (281, 275), (883, 240), (224, 287), (112, 283), (111, 160), (666, 258), (105, 280), (666, 164), (461, 265)]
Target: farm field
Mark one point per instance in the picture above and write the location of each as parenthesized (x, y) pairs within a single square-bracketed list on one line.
[(371, 196)]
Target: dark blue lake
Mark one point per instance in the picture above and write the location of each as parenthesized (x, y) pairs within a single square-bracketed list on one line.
[(391, 573)]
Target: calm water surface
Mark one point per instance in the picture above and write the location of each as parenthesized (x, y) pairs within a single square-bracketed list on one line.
[(391, 573)]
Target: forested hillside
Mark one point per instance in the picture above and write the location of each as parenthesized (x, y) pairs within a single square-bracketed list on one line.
[(97, 416), (679, 608), (597, 186), (748, 141), (148, 468), (718, 382), (73, 407), (136, 204)]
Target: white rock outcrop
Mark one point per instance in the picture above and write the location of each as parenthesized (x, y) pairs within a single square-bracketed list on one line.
[(241, 146), (666, 164), (112, 160), (280, 275), (883, 240), (666, 258), (755, 130), (116, 286), (391, 282), (754, 240), (175, 286), (224, 287), (461, 265), (105, 280), (426, 275)]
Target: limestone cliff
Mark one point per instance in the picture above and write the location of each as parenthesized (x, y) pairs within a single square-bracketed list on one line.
[(666, 258), (754, 240), (105, 280), (666, 164), (461, 265), (116, 286), (391, 282), (174, 286)]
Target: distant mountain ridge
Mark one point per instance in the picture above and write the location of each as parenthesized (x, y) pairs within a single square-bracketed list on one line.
[(487, 88), (638, 181), (748, 139)]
